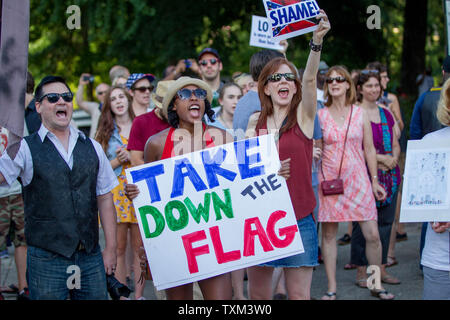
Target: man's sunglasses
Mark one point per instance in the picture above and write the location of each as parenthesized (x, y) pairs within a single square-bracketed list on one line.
[(213, 61), (338, 80), (143, 89), (54, 97), (277, 77), (185, 94)]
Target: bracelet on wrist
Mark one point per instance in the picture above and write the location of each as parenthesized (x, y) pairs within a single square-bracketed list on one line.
[(315, 47)]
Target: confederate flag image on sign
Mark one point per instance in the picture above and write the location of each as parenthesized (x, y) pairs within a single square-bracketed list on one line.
[(291, 18)]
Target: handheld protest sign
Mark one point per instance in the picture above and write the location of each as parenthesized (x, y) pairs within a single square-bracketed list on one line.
[(260, 35), (214, 211), (291, 18), (426, 184), (14, 30)]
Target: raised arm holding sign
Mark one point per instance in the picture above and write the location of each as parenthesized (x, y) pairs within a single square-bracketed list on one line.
[(288, 109)]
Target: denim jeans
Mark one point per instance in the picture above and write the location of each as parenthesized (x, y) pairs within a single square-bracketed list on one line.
[(48, 275)]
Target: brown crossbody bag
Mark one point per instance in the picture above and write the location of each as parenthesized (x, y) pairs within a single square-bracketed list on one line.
[(336, 186)]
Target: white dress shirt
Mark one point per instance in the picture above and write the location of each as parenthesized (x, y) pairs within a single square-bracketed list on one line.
[(22, 165)]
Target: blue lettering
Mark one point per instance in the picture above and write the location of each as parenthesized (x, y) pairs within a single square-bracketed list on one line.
[(292, 16), (282, 15), (178, 178), (316, 7), (302, 11), (244, 161), (212, 167), (273, 16), (311, 8), (149, 174)]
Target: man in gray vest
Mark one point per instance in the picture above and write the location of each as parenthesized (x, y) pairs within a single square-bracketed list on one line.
[(67, 180)]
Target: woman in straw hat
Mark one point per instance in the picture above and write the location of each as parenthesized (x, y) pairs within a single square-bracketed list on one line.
[(186, 102)]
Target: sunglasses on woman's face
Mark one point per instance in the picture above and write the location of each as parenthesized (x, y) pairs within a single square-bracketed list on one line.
[(54, 97), (338, 80), (185, 94), (213, 61), (277, 77)]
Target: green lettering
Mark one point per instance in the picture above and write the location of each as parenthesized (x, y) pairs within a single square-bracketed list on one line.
[(157, 216), (226, 206), (173, 223), (201, 211)]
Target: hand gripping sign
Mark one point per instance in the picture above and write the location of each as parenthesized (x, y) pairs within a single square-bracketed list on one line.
[(214, 211), (291, 18)]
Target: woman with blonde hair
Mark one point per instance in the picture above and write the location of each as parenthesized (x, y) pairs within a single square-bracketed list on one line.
[(347, 147), (436, 252)]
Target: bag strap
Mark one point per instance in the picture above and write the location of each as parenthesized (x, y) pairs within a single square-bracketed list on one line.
[(345, 142)]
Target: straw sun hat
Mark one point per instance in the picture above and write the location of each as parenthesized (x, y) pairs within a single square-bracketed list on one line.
[(180, 84)]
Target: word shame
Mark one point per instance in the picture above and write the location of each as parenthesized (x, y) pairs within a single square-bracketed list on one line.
[(293, 13)]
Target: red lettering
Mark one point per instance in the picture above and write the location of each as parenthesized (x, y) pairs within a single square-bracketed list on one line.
[(192, 253), (287, 232), (221, 256), (249, 237)]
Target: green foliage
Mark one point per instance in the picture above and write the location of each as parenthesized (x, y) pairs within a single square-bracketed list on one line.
[(146, 36)]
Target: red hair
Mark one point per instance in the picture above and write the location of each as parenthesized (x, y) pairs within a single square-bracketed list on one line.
[(266, 101)]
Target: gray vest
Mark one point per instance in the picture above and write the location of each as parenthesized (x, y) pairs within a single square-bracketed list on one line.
[(430, 122), (61, 204)]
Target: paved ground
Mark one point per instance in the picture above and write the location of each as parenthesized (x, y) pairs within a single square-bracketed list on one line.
[(407, 253)]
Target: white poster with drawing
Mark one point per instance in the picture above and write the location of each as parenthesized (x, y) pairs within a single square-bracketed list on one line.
[(426, 189)]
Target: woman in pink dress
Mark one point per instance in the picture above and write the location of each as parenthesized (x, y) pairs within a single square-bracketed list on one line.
[(357, 203)]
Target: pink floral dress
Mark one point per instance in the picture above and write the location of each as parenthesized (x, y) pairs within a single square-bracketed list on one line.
[(358, 202)]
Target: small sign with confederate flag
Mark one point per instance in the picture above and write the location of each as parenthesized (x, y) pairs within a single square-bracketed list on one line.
[(291, 18)]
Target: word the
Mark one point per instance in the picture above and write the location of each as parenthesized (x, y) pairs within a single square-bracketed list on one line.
[(293, 13), (272, 186), (73, 21), (268, 239)]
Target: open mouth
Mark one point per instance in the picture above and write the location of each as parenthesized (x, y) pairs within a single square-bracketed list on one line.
[(283, 93), (62, 114), (194, 111)]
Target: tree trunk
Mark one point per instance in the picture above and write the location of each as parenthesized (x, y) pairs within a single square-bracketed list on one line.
[(414, 39)]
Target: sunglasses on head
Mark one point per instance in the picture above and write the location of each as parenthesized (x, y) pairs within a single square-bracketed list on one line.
[(143, 89), (367, 71), (338, 79), (185, 94), (277, 77), (213, 61), (54, 97)]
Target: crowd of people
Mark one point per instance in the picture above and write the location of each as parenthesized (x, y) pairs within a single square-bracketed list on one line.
[(331, 126)]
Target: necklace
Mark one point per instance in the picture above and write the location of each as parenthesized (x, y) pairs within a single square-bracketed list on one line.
[(277, 127)]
